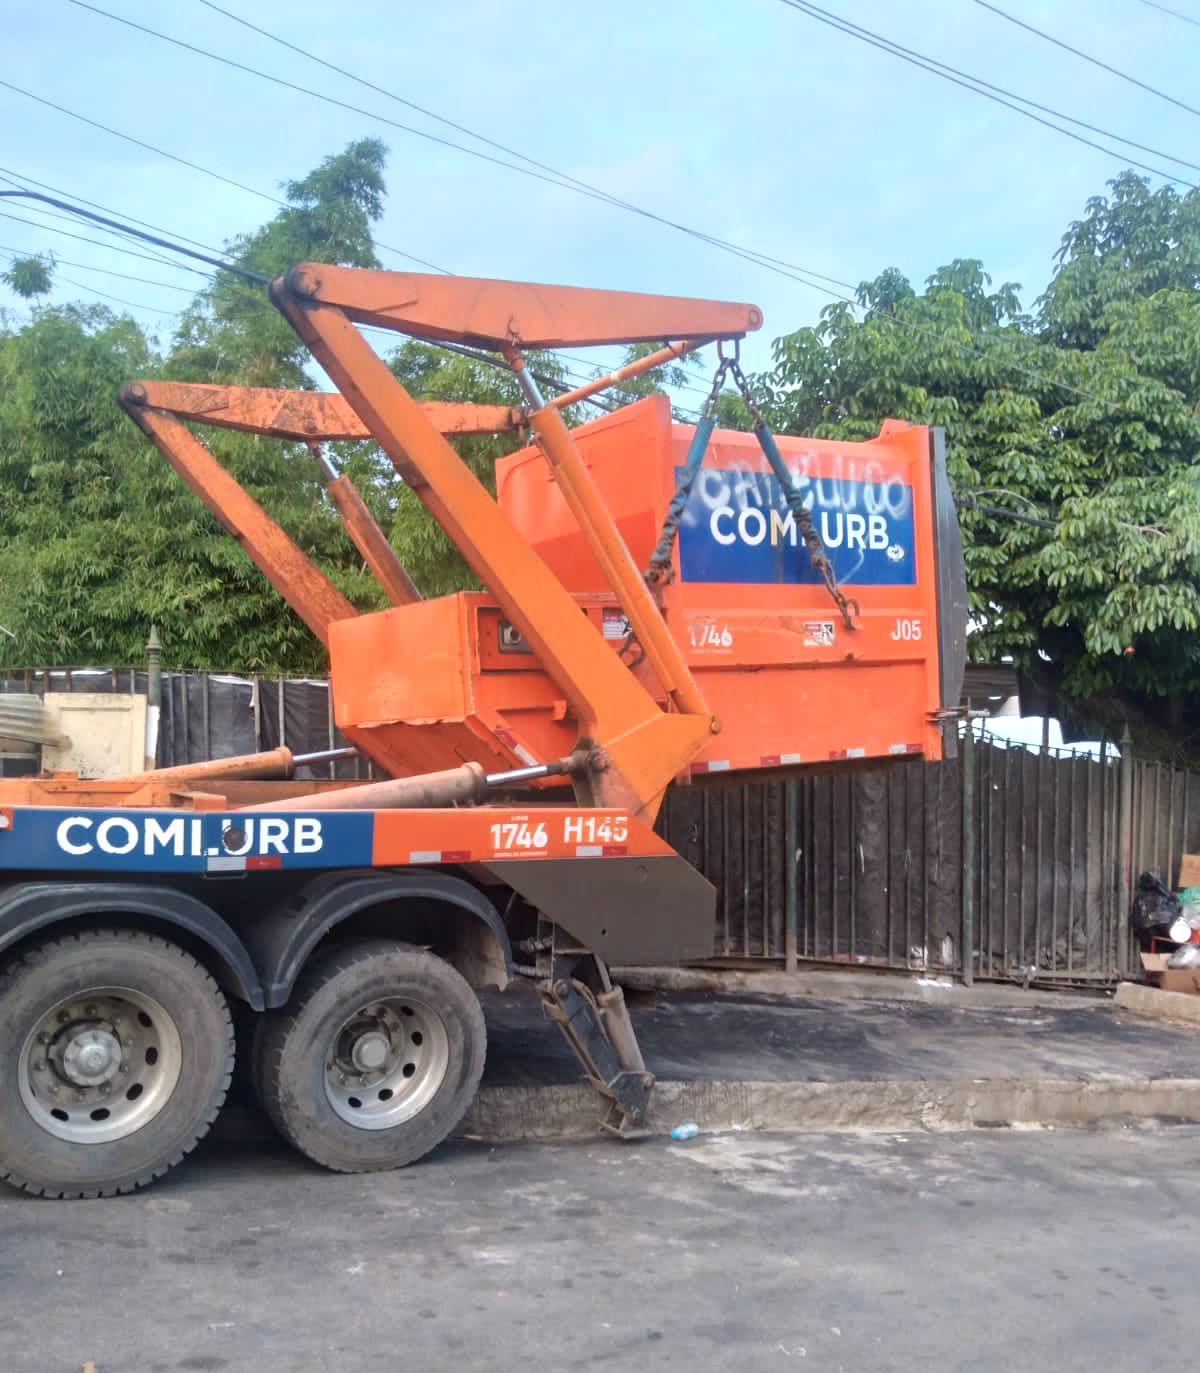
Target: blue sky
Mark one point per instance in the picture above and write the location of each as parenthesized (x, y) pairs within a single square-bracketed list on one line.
[(743, 118)]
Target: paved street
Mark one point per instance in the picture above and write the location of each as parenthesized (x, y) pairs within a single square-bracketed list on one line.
[(992, 1250)]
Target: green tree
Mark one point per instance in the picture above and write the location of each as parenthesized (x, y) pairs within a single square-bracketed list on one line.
[(1083, 414), (100, 537), (29, 277)]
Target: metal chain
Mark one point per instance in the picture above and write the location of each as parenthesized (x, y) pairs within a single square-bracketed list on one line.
[(812, 540), (658, 569)]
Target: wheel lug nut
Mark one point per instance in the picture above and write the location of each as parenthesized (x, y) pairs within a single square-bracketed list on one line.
[(64, 1016), (89, 1010), (80, 1096), (38, 1066), (43, 1038), (105, 1088)]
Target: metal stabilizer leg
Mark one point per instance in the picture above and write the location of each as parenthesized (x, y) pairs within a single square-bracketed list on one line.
[(595, 1021)]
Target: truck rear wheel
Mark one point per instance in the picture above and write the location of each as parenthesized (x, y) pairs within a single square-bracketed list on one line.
[(376, 1060), (116, 1049)]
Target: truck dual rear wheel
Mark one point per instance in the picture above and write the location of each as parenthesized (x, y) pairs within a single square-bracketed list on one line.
[(376, 1059), (116, 1049)]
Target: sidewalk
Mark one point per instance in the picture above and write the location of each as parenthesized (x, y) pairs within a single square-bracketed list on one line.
[(806, 1063)]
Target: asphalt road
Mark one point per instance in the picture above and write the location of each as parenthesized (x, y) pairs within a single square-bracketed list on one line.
[(993, 1250)]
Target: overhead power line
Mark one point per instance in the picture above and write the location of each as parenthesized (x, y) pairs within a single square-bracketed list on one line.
[(182, 161), (103, 271), (1087, 57), (144, 234), (129, 231), (550, 176), (1175, 14), (980, 87), (776, 265)]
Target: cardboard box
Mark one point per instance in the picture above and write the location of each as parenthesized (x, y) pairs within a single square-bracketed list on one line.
[(1181, 980), (1189, 870), (1170, 979)]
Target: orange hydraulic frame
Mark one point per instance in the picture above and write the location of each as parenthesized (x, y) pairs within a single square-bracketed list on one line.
[(635, 747)]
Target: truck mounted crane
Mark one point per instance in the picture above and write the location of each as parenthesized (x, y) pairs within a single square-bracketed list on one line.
[(662, 603)]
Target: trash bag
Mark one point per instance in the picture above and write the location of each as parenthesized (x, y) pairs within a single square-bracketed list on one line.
[(1154, 910), (1186, 956)]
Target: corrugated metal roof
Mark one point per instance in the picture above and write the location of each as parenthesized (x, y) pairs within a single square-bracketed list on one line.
[(23, 721)]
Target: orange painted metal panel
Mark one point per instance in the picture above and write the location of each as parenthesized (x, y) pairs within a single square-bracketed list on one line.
[(777, 667), (524, 314)]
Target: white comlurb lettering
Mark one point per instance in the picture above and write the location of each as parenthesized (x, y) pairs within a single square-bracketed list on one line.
[(306, 837), (104, 835), (752, 516), (160, 836), (828, 537), (727, 513), (64, 835), (272, 836), (856, 532), (783, 529), (877, 532)]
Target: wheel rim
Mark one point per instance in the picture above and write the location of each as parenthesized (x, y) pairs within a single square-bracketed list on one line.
[(99, 1065), (386, 1063)]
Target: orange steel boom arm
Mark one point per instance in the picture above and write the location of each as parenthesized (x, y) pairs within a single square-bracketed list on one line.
[(305, 588), (304, 415), (492, 314), (639, 747)]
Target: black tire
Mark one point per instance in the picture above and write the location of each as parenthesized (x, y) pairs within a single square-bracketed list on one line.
[(294, 1046), (35, 1159)]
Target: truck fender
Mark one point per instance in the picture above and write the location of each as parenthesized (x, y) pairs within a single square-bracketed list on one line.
[(281, 940), (26, 907)]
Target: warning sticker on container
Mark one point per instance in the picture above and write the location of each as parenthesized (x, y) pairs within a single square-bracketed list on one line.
[(818, 634), (616, 624)]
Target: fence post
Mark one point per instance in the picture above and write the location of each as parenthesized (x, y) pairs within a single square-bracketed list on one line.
[(154, 663), (1125, 836), (967, 866), (792, 830)]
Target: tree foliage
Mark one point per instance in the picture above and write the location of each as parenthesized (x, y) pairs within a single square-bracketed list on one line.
[(29, 277), (100, 539), (1082, 414)]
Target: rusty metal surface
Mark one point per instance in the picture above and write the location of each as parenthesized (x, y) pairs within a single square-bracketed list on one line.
[(455, 786), (303, 415), (301, 584), (273, 763)]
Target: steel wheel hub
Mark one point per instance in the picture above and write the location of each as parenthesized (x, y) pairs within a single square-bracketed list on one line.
[(386, 1063), (98, 1065), (88, 1056)]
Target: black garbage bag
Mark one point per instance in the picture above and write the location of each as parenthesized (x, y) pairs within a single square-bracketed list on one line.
[(1153, 911)]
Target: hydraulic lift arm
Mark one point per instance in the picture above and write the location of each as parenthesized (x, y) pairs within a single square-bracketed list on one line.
[(637, 748), (312, 417)]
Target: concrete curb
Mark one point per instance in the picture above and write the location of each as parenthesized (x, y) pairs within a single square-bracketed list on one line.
[(572, 1111), (508, 1114), (853, 986), (1178, 1006)]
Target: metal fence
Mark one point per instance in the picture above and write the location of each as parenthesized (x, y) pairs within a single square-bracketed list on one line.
[(1004, 863)]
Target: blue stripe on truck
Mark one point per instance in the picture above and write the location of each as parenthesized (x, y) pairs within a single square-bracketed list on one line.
[(95, 840)]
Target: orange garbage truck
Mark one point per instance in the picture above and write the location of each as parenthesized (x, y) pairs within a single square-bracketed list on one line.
[(662, 604)]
